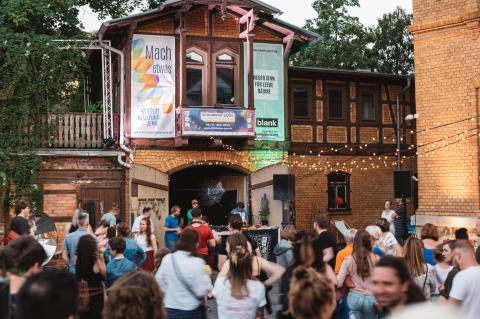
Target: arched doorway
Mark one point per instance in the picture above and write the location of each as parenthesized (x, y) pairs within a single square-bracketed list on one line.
[(218, 189)]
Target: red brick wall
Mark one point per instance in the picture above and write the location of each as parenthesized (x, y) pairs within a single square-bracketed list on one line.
[(447, 51), (369, 190)]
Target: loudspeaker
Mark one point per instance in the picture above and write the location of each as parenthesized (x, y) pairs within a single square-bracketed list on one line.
[(401, 184), (283, 187)]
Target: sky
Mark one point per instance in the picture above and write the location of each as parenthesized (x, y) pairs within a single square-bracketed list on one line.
[(295, 11)]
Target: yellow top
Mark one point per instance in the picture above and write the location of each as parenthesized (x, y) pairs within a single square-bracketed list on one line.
[(341, 255)]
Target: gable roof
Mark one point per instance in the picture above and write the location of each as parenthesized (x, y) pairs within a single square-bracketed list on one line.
[(266, 13)]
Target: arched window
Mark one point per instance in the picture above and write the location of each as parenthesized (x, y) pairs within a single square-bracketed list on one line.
[(196, 72), (338, 191), (227, 79)]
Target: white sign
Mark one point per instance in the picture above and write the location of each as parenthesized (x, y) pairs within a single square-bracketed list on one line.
[(153, 86), (265, 84)]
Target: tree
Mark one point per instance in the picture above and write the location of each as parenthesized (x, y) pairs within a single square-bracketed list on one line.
[(393, 49), (344, 38), (37, 75), (153, 4)]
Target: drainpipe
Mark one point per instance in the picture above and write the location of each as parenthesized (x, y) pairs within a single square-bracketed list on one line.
[(122, 103), (399, 158)]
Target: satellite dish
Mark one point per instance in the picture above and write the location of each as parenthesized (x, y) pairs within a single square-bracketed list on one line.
[(46, 234)]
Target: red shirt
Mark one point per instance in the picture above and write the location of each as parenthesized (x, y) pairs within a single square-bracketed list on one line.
[(204, 234)]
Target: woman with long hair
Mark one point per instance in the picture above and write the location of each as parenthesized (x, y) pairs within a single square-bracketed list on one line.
[(423, 274), (359, 267), (304, 255), (184, 279), (311, 295), (148, 242), (239, 287), (448, 257), (90, 270), (135, 295)]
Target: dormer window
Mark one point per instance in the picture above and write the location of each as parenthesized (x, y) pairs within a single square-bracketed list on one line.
[(226, 78), (195, 78)]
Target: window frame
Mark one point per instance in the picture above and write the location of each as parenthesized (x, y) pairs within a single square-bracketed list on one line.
[(375, 92), (343, 91), (310, 104), (197, 66), (346, 209), (236, 74)]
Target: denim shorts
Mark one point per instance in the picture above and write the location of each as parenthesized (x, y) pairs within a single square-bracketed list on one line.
[(198, 313)]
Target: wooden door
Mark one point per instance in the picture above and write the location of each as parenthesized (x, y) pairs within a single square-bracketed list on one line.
[(99, 200)]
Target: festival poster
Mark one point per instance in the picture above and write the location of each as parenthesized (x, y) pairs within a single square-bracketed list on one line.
[(268, 83), (153, 86), (218, 122)]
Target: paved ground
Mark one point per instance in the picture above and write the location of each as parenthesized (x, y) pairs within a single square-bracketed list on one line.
[(273, 297)]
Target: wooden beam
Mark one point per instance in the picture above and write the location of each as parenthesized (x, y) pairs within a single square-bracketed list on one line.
[(150, 184)]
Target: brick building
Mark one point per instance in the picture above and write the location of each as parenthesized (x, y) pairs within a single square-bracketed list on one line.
[(230, 116), (447, 74)]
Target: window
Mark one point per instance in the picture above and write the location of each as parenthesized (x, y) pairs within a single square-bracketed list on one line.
[(195, 74), (226, 78), (335, 104), (301, 100), (368, 102), (338, 192)]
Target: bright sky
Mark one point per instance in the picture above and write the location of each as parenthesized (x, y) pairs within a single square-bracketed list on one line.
[(295, 11)]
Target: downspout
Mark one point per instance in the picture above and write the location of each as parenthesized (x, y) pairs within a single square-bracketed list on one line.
[(399, 120), (122, 103)]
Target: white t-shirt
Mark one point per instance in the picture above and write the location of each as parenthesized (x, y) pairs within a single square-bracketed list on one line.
[(136, 224), (465, 288), (388, 215), (387, 243), (231, 308)]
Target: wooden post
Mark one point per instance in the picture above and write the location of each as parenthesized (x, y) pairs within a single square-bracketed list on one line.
[(251, 95)]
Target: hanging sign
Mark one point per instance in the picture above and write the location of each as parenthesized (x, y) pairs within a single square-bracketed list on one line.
[(153, 86), (217, 122), (268, 85)]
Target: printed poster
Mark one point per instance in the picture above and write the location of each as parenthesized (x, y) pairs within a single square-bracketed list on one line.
[(268, 83), (218, 122), (153, 86)]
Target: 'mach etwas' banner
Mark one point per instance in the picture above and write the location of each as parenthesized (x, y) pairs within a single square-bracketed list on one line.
[(153, 86), (268, 83)]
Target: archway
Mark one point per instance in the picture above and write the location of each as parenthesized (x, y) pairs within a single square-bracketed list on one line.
[(217, 188)]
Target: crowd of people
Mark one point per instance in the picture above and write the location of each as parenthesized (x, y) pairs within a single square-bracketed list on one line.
[(116, 272)]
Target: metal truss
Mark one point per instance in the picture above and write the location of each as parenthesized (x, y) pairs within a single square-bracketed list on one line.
[(107, 91)]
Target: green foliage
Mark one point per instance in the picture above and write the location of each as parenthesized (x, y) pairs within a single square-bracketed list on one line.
[(345, 40), (393, 48), (347, 44), (264, 208), (153, 4)]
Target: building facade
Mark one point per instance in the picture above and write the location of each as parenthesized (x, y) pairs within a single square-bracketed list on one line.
[(447, 50)]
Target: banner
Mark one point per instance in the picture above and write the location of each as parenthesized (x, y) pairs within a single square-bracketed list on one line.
[(153, 86), (268, 83), (218, 122)]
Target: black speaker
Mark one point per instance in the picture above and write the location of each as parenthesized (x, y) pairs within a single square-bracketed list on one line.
[(402, 184), (283, 187)]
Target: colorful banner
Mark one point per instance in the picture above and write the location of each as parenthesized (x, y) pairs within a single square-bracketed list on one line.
[(217, 122), (153, 86), (268, 83)]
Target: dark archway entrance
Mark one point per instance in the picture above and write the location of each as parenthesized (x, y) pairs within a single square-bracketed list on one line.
[(217, 188)]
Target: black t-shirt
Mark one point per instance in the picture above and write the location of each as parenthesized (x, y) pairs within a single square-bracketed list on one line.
[(222, 249), (20, 226), (323, 241)]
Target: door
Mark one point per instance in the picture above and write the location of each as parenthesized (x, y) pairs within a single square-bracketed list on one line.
[(150, 188), (98, 200)]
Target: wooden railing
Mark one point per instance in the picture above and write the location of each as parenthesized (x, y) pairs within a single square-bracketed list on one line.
[(73, 130)]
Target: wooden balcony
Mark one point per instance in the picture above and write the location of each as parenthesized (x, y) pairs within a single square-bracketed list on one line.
[(75, 130)]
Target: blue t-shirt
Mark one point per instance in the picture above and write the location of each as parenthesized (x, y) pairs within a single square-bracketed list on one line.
[(118, 267), (70, 245), (429, 257), (132, 252), (171, 222), (377, 251)]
